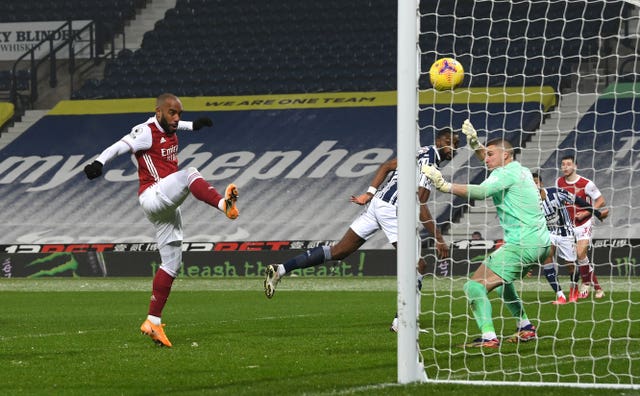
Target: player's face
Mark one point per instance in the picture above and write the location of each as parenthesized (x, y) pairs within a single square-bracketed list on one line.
[(536, 180), (568, 167), (495, 156), (448, 145), (169, 115)]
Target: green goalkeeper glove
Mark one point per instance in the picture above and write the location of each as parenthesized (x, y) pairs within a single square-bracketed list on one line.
[(471, 134), (433, 174)]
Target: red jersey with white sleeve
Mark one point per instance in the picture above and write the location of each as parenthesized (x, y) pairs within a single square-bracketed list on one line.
[(583, 188), (154, 149)]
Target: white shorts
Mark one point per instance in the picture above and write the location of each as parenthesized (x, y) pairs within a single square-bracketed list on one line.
[(565, 247), (584, 231), (161, 204), (379, 215)]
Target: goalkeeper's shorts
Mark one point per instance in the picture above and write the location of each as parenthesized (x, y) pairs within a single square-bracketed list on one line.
[(510, 262)]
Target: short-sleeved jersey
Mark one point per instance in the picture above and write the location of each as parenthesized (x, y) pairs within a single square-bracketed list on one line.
[(427, 155), (583, 188), (155, 151), (554, 206), (518, 204)]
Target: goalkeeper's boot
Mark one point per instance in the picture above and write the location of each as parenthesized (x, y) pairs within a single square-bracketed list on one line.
[(524, 334), (271, 279), (493, 343), (584, 290), (230, 198), (599, 293), (156, 332), (573, 294)]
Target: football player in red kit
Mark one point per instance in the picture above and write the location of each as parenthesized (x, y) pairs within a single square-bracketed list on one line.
[(162, 190), (587, 190)]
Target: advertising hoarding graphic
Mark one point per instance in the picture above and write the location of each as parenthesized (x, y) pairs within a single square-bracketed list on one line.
[(617, 258)]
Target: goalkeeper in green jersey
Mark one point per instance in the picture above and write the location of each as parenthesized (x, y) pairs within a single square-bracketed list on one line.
[(526, 237)]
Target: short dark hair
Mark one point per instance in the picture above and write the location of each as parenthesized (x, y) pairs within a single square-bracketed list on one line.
[(569, 157), (535, 174), (444, 132)]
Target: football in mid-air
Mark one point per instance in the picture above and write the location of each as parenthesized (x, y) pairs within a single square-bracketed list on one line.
[(446, 73)]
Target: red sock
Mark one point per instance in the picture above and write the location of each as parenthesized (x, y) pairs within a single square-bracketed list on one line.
[(205, 192), (585, 273), (594, 280), (161, 288)]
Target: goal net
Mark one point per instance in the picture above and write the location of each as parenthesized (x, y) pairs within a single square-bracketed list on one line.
[(554, 78)]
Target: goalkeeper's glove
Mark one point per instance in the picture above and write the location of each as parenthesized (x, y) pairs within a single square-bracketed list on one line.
[(93, 170), (433, 174), (471, 134), (201, 123)]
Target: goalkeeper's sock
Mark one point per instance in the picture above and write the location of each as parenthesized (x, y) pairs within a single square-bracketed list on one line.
[(552, 276), (480, 306), (512, 301), (315, 256)]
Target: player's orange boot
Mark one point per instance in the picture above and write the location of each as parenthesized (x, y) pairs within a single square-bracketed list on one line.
[(230, 198), (156, 332)]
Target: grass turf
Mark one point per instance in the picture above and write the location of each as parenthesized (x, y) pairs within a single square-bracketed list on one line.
[(317, 337)]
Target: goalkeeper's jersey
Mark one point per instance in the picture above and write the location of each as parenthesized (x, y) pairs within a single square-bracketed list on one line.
[(427, 155), (518, 204)]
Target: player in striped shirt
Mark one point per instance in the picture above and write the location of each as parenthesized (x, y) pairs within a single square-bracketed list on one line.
[(563, 241), (162, 190), (380, 214)]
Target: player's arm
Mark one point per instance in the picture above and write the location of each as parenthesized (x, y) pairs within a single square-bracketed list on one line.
[(496, 182), (196, 124), (138, 139), (472, 139), (584, 205), (598, 202), (378, 179), (429, 223)]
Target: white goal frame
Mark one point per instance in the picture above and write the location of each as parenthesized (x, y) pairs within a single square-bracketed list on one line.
[(409, 360)]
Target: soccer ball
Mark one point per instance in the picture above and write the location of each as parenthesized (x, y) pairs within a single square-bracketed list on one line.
[(446, 73)]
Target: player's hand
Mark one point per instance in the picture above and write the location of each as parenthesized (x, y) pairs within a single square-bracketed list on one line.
[(201, 123), (442, 250), (93, 170), (361, 199), (433, 174), (471, 134)]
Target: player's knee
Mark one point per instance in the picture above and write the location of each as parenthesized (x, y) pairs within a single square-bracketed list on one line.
[(473, 289), (171, 255)]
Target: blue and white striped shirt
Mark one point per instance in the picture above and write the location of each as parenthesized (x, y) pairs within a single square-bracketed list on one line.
[(426, 155), (555, 211)]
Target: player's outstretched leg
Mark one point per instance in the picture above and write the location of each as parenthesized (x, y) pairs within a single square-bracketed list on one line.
[(230, 199), (271, 279)]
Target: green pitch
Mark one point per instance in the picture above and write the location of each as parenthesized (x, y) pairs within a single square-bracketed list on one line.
[(322, 336)]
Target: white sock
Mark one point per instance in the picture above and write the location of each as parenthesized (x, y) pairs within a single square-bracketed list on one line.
[(523, 323), (281, 271), (490, 335), (154, 319)]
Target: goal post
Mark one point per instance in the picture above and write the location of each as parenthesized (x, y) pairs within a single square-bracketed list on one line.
[(553, 77), (409, 368)]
